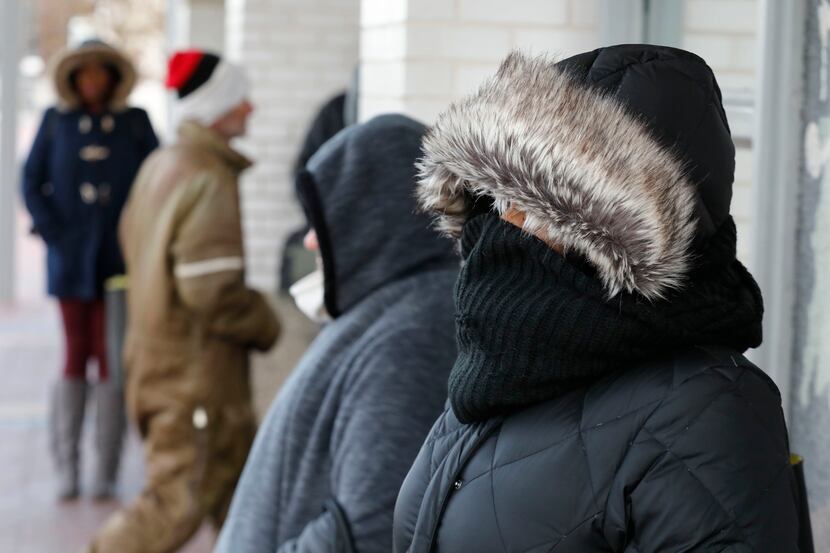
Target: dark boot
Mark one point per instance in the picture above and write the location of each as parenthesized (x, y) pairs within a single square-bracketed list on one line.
[(67, 419), (110, 423)]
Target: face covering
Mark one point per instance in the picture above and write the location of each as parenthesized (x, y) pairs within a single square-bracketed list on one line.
[(532, 325), (309, 295)]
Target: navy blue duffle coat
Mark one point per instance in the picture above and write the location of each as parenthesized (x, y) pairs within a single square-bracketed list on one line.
[(75, 184)]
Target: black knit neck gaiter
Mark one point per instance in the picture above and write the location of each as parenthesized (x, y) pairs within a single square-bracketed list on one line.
[(532, 325)]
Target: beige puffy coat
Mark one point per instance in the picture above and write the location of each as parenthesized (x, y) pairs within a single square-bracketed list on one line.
[(192, 322), (190, 310)]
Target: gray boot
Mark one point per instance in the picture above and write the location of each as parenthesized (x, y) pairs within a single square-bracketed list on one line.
[(110, 423), (66, 422)]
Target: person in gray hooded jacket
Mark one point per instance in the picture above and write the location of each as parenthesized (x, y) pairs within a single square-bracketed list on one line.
[(333, 450)]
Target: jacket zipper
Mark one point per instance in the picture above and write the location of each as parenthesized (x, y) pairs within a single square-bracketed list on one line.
[(489, 428)]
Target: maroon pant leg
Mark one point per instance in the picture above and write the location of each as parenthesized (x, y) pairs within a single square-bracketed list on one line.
[(99, 337)]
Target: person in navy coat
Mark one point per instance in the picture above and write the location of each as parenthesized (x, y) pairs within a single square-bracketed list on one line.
[(75, 183)]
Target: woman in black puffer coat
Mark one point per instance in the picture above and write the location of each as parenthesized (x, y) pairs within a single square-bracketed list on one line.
[(600, 401)]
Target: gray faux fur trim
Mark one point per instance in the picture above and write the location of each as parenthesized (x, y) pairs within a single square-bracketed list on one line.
[(581, 168)]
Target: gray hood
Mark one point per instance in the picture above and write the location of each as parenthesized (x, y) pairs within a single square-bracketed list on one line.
[(358, 192)]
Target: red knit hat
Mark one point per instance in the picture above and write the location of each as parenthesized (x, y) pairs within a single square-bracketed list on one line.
[(207, 86), (187, 70)]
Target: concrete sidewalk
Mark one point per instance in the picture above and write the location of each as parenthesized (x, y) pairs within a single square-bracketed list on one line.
[(31, 348), (31, 519)]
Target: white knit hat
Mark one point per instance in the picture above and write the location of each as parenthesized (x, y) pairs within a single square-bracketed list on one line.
[(207, 86)]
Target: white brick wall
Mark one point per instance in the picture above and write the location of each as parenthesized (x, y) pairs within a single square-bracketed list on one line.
[(724, 33), (560, 41), (457, 42), (419, 55), (584, 14), (525, 12), (298, 53), (206, 24), (432, 52), (386, 42), (382, 12), (723, 16)]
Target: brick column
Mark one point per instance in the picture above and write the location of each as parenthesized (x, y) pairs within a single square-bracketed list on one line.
[(196, 24), (418, 55), (725, 34), (9, 22), (298, 54)]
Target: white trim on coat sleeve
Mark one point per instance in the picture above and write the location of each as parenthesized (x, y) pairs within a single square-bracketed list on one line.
[(209, 267)]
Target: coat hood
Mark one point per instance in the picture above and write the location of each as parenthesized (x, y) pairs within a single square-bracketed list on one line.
[(70, 60), (622, 155), (358, 192)]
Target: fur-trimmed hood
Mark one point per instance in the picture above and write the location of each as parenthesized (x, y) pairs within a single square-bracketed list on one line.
[(597, 168), (71, 59)]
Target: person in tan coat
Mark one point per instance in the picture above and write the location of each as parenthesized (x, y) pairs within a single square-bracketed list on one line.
[(192, 320)]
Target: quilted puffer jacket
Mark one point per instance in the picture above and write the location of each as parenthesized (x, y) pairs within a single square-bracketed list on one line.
[(664, 457), (600, 401)]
